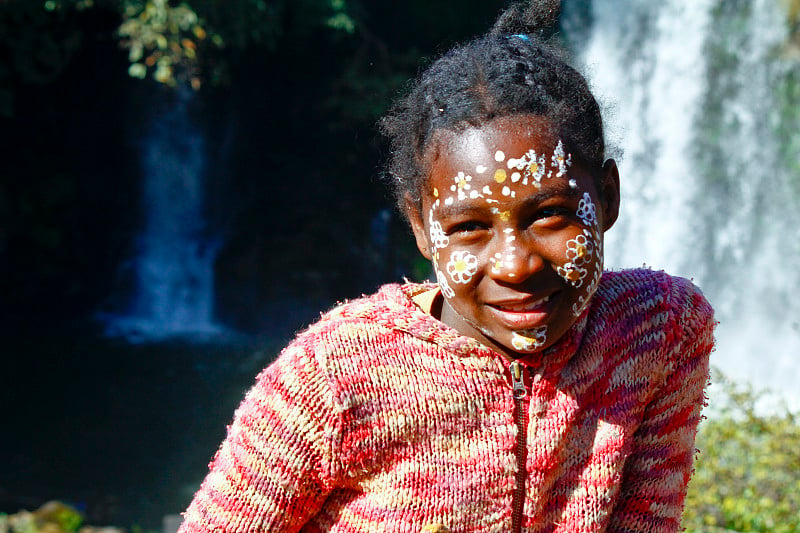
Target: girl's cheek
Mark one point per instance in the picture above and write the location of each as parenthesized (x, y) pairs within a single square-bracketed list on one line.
[(453, 267), (583, 263), (439, 240), (581, 257), (439, 243), (591, 280), (440, 270), (461, 267)]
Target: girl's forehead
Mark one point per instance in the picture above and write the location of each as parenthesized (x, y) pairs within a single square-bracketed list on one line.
[(502, 164), (494, 142)]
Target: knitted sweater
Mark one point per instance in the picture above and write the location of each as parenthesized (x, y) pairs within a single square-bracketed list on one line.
[(381, 418)]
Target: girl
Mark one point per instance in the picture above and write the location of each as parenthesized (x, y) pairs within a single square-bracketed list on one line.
[(527, 390)]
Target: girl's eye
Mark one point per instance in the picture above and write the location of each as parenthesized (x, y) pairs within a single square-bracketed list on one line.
[(552, 216), (552, 212), (467, 227)]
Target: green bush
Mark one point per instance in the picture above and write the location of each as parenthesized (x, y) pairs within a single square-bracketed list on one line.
[(747, 472)]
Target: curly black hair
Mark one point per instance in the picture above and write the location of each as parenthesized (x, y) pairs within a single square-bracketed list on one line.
[(512, 70)]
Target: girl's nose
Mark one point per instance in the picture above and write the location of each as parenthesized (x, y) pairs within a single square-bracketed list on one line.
[(514, 261)]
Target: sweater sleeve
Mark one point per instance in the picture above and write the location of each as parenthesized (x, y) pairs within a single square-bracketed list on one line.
[(273, 471), (660, 464)]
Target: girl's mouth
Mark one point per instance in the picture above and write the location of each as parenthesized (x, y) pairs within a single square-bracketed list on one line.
[(522, 307), (523, 314)]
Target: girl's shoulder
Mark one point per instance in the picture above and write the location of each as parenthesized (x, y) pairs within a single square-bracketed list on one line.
[(649, 289), (641, 298)]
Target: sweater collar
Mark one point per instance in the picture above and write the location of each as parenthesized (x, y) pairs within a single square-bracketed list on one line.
[(406, 316)]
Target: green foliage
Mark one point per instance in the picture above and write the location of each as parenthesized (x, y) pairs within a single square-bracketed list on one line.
[(165, 40), (793, 15), (185, 42), (52, 517), (174, 42), (747, 476)]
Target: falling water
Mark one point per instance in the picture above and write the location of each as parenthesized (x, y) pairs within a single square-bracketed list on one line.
[(706, 194), (173, 269)]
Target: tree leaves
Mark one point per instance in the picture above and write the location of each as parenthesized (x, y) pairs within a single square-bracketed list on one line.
[(164, 40)]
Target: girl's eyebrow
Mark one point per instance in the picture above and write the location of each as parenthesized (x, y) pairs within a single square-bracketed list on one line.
[(478, 205), (561, 189)]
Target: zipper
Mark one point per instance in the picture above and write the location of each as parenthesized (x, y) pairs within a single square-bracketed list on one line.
[(519, 391)]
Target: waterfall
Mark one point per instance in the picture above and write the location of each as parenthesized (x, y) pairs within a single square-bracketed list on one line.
[(706, 193), (173, 271)]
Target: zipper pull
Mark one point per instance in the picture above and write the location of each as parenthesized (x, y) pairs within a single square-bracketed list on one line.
[(518, 379)]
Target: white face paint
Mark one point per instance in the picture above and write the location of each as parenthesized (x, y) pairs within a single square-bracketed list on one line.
[(447, 290), (438, 238), (529, 341), (561, 160), (533, 167), (584, 254), (462, 266)]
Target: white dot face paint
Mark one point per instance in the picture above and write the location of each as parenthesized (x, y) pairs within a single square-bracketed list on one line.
[(561, 160), (447, 291), (438, 238), (587, 211), (497, 263), (501, 222), (533, 167)]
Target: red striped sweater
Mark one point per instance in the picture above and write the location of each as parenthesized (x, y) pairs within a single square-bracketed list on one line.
[(381, 418)]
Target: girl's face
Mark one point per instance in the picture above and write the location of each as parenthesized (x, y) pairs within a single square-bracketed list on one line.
[(514, 229)]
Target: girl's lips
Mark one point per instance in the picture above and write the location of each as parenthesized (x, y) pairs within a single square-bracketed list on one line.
[(524, 314)]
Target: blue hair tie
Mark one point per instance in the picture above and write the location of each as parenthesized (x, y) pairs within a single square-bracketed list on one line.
[(521, 36)]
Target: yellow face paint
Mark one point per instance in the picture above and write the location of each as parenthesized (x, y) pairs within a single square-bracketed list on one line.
[(528, 341)]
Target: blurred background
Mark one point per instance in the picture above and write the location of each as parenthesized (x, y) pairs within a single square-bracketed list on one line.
[(184, 185)]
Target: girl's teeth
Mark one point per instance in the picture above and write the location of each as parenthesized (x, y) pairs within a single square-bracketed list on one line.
[(525, 307)]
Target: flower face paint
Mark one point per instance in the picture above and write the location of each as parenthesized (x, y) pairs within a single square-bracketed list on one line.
[(513, 232), (462, 266), (584, 255)]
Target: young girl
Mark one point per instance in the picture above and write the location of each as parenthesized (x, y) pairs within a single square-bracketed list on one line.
[(527, 390)]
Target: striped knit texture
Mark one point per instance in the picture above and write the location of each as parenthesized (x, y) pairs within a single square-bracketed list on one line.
[(381, 418)]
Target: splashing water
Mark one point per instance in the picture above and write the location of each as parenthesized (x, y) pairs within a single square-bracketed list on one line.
[(705, 191)]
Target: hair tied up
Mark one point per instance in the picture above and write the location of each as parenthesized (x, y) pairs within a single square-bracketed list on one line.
[(531, 17)]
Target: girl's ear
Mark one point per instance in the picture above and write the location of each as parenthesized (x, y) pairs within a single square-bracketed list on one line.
[(609, 193), (417, 226)]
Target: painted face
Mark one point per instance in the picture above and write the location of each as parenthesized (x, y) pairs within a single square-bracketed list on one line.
[(515, 233)]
